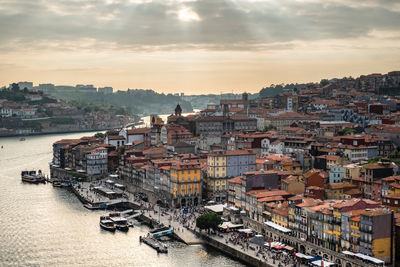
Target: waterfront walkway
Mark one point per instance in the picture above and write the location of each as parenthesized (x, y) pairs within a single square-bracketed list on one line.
[(184, 226)]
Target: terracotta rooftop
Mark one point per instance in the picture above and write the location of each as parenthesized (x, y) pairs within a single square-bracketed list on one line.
[(236, 180)]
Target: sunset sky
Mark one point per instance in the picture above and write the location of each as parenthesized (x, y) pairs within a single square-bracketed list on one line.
[(196, 47)]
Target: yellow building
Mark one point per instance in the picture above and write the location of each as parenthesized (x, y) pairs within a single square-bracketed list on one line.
[(280, 214), (223, 165), (216, 165), (351, 171), (186, 183)]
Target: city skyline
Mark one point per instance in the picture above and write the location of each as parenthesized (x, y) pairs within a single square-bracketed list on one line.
[(206, 47)]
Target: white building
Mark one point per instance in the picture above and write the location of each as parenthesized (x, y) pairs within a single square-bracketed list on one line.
[(274, 147), (96, 161), (115, 140)]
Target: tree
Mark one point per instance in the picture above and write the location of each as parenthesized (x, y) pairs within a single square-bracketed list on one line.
[(14, 87), (347, 131), (324, 82), (208, 221), (269, 128), (100, 135)]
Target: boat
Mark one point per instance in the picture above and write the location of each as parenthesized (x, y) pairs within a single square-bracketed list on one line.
[(114, 214), (120, 223), (22, 139), (33, 177), (29, 179), (56, 184), (107, 224)]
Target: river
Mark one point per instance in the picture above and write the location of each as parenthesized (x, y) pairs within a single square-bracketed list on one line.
[(45, 226)]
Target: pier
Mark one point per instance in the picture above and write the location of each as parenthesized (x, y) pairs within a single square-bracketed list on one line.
[(152, 242)]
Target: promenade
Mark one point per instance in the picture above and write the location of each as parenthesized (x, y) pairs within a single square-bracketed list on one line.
[(184, 226)]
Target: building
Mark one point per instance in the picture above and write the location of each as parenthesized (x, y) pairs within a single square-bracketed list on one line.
[(186, 184), (96, 161), (293, 185), (105, 90), (173, 133), (222, 165), (377, 234), (134, 135), (374, 172), (213, 127), (392, 201), (336, 174), (115, 140), (287, 119)]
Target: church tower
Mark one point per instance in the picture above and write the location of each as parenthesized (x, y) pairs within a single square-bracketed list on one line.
[(178, 110)]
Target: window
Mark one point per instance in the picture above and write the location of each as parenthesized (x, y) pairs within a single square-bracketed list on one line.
[(396, 202)]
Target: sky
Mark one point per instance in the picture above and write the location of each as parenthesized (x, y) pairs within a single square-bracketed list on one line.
[(196, 47)]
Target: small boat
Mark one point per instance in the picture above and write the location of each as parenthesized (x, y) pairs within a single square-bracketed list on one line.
[(114, 214), (56, 184), (107, 224), (22, 139), (29, 179), (120, 223), (32, 177)]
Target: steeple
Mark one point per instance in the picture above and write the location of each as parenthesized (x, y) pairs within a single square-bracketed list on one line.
[(178, 110)]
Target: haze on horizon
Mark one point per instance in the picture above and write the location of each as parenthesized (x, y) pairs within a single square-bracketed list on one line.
[(196, 46)]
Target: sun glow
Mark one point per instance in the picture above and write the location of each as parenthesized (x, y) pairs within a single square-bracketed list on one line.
[(186, 14)]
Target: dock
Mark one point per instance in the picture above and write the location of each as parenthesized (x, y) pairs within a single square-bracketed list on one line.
[(152, 242)]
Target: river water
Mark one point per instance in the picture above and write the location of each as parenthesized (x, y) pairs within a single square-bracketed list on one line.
[(45, 226)]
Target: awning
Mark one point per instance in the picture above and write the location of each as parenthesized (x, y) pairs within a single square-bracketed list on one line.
[(233, 208), (326, 263), (109, 181), (277, 227), (369, 258), (278, 247), (289, 248), (346, 252), (303, 256), (218, 208), (225, 225), (246, 231), (267, 213)]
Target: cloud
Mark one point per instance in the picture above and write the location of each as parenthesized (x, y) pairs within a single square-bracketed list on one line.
[(138, 25)]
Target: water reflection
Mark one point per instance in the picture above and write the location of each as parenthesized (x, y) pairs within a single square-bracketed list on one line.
[(45, 226)]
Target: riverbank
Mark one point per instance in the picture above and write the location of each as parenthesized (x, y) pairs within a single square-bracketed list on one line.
[(154, 216), (56, 132)]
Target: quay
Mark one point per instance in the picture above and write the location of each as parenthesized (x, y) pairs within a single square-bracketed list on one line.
[(154, 218), (158, 246)]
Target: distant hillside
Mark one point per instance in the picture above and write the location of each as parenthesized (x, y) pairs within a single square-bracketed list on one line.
[(139, 101), (274, 90)]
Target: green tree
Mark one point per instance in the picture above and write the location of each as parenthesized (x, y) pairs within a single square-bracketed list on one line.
[(347, 131), (15, 87), (208, 221), (269, 128), (323, 82), (100, 135)]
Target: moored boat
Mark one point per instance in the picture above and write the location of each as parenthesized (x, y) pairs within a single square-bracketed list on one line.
[(33, 177), (107, 224), (120, 223)]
